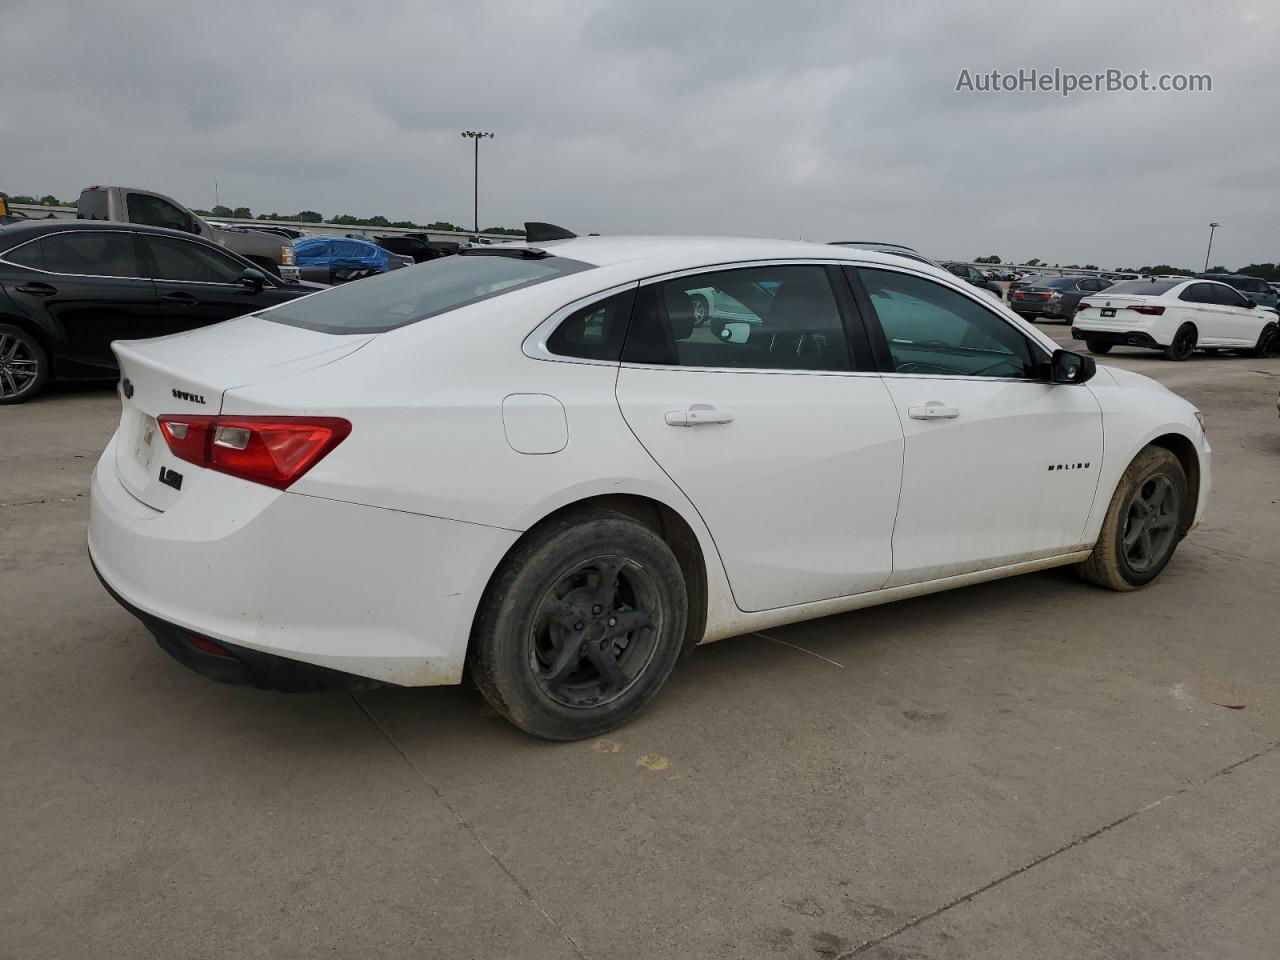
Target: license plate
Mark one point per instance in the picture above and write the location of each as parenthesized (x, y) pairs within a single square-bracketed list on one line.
[(144, 447), (1108, 311)]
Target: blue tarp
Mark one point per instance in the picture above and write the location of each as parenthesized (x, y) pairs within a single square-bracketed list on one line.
[(340, 253)]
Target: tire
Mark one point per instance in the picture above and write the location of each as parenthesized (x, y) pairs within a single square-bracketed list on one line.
[(1098, 348), (1184, 342), (701, 307), (24, 365), (1120, 561), (547, 650), (1268, 344)]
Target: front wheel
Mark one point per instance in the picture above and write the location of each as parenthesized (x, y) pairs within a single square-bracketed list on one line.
[(1143, 524), (1184, 342), (580, 627), (1268, 343), (1096, 346)]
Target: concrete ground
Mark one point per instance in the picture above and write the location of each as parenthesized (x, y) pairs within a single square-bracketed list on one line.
[(1030, 768)]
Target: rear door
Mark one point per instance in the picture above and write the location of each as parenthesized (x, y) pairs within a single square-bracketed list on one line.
[(91, 286), (1000, 466), (196, 283), (773, 426)]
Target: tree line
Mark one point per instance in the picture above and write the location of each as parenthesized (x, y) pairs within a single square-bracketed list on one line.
[(304, 216)]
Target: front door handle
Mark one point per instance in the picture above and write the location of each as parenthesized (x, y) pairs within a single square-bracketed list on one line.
[(933, 410), (185, 299), (698, 414), (37, 289)]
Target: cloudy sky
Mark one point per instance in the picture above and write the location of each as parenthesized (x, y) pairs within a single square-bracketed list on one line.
[(822, 120)]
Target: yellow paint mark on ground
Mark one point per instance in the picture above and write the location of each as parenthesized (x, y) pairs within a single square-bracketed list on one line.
[(606, 746), (654, 761)]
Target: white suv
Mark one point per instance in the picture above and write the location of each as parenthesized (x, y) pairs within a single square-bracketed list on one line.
[(1177, 316)]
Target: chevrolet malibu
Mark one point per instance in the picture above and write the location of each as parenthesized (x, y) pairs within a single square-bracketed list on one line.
[(529, 465)]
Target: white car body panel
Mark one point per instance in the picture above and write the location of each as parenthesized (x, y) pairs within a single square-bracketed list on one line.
[(463, 437)]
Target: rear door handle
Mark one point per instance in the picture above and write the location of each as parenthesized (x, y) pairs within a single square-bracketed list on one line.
[(698, 414), (933, 410), (186, 299), (37, 289)]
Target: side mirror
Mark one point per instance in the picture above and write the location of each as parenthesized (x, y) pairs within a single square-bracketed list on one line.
[(1068, 367), (252, 279), (735, 331)]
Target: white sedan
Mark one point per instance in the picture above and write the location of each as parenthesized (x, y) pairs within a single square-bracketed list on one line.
[(1177, 316), (529, 465)]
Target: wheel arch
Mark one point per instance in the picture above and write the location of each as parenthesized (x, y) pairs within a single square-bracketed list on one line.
[(666, 521), (1184, 449), (41, 335)]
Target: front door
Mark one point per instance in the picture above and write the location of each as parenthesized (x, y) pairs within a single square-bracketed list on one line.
[(1000, 465), (197, 284), (791, 455)]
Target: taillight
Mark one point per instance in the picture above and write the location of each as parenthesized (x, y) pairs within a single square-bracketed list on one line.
[(275, 451), (1082, 306), (1149, 311), (286, 254)]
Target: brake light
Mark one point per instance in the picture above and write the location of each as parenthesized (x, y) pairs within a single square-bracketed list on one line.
[(275, 451), (1082, 306), (286, 254), (1149, 311)]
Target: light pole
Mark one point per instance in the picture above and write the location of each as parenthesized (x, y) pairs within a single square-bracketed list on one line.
[(1212, 227), (477, 136)]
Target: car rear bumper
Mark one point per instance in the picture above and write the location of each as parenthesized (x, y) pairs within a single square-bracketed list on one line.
[(362, 591), (1132, 338)]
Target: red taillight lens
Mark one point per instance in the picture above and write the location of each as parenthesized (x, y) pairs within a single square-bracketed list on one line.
[(1083, 306), (1149, 311), (275, 451)]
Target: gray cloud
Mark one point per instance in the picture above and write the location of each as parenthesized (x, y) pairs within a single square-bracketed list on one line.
[(817, 119)]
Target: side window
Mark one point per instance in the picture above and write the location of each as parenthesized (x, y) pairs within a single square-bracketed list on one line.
[(176, 259), (932, 329), (596, 331), (1227, 296), (1197, 293), (155, 212), (30, 254), (90, 254), (759, 318)]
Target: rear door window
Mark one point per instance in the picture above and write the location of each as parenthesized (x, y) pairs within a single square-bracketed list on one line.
[(90, 254), (395, 299)]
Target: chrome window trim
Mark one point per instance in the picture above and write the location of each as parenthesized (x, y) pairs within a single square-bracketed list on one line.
[(104, 276)]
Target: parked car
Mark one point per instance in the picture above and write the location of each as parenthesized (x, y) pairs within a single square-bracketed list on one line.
[(528, 464), (1259, 291), (974, 276), (131, 205), (1176, 315), (415, 248), (1054, 297), (328, 259), (68, 288)]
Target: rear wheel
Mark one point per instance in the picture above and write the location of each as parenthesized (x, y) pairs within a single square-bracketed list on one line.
[(1143, 523), (24, 365), (1096, 346), (581, 626), (1268, 343), (1184, 342)]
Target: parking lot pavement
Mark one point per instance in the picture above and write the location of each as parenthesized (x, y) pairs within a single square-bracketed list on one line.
[(1023, 768)]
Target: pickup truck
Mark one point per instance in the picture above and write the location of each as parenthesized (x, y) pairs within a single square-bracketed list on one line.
[(129, 205)]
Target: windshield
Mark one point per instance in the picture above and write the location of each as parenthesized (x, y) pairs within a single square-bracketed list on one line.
[(390, 300), (1149, 288)]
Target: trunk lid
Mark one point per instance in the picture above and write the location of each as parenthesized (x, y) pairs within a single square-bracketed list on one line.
[(190, 373)]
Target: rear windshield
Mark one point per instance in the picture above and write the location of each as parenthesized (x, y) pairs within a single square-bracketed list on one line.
[(1057, 282), (381, 303), (92, 205), (1151, 288)]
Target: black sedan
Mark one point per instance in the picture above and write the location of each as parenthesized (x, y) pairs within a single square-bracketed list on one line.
[(1054, 297), (70, 287)]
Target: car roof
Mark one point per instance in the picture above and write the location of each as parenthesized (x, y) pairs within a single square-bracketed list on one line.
[(19, 232), (653, 253)]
